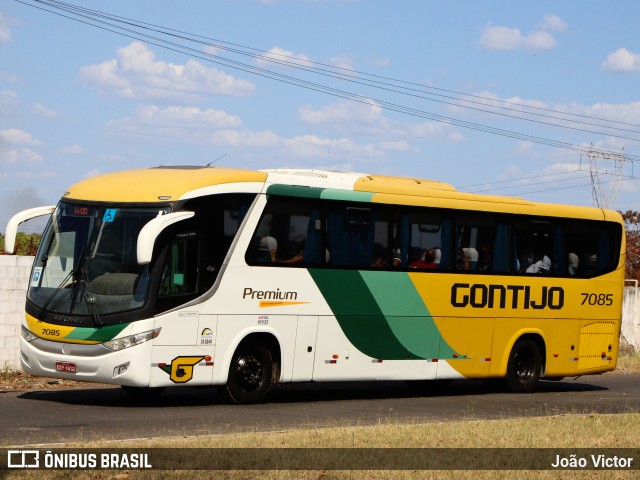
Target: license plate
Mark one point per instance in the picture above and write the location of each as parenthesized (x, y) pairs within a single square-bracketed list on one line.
[(68, 367)]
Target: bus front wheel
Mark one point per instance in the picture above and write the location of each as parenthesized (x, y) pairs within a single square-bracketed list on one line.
[(249, 374), (523, 369)]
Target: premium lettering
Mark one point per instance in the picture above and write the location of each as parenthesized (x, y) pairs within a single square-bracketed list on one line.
[(480, 295), (268, 294)]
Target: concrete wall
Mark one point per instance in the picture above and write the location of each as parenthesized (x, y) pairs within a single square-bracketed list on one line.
[(631, 317), (14, 279)]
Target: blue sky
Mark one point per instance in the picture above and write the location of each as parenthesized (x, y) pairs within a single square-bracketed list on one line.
[(76, 100)]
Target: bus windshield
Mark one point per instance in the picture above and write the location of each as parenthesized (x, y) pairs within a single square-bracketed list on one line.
[(87, 265)]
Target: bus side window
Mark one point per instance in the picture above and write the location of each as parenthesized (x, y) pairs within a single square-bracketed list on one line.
[(350, 235), (539, 246), (421, 230), (293, 229), (483, 243), (592, 247)]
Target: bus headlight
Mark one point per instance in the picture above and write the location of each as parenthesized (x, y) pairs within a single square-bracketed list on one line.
[(132, 340), (26, 334)]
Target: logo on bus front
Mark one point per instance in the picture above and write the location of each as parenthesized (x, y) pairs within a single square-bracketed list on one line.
[(181, 369)]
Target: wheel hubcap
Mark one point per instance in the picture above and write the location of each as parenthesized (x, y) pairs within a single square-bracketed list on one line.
[(523, 367), (249, 372)]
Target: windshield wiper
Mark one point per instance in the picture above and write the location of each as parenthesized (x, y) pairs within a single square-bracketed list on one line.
[(90, 298), (62, 284)]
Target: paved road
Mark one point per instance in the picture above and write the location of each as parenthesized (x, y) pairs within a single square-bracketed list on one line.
[(98, 412)]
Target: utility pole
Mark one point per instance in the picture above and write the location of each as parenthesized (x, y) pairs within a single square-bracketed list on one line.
[(605, 164)]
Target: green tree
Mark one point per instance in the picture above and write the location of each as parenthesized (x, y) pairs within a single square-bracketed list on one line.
[(632, 224), (26, 244)]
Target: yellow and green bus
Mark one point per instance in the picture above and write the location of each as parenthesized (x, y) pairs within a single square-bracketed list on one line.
[(190, 275)]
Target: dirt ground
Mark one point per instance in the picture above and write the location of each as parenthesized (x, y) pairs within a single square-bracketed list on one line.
[(16, 380)]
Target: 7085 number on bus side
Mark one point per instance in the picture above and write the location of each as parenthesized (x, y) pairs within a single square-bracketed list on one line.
[(597, 299)]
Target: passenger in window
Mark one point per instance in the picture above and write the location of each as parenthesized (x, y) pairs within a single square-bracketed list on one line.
[(541, 266), (463, 260), (267, 250), (397, 255), (484, 258), (438, 256), (526, 261), (467, 258), (574, 261), (427, 262), (379, 256), (298, 257)]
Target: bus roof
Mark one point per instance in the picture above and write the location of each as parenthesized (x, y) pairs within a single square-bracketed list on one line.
[(158, 183), (163, 183)]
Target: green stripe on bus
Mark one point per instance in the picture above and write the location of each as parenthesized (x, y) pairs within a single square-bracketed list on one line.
[(359, 315), (294, 191), (322, 193), (102, 334), (407, 315)]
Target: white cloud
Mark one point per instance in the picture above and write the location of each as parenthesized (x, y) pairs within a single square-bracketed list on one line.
[(20, 156), (342, 61), (5, 33), (500, 38), (618, 112), (553, 23), (136, 74), (435, 131), (43, 111), (622, 60), (15, 136), (344, 112), (539, 40), (188, 123), (14, 148), (214, 128), (362, 119), (277, 54), (314, 146), (508, 39)]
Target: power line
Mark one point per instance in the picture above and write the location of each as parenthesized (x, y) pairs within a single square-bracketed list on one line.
[(115, 24), (310, 65)]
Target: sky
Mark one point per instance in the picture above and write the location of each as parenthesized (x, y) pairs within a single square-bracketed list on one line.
[(509, 98)]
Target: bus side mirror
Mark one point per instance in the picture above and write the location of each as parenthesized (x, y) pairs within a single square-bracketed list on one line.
[(17, 219), (149, 233)]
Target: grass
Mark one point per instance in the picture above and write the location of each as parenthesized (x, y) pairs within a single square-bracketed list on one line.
[(570, 431), (629, 361)]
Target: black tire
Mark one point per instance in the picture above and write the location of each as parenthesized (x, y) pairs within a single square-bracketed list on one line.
[(250, 374), (143, 392), (523, 369)]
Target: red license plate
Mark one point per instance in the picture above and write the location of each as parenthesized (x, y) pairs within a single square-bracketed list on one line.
[(66, 367)]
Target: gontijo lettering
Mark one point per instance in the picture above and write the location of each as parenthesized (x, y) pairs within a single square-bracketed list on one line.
[(479, 295)]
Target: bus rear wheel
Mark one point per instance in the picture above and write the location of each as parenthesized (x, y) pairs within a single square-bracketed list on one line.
[(250, 374), (523, 369)]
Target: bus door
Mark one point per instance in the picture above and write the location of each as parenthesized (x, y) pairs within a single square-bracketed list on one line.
[(183, 352)]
